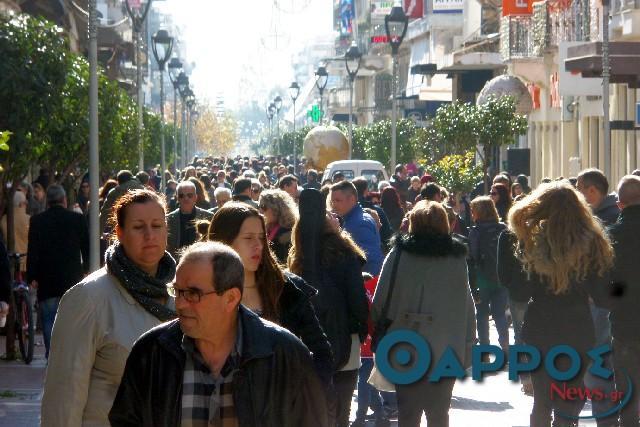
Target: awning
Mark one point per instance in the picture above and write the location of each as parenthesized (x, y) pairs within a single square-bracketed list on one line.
[(419, 56), (624, 61), (440, 89)]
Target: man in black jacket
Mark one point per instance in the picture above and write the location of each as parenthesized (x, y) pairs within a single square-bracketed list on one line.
[(57, 255), (219, 364), (625, 316)]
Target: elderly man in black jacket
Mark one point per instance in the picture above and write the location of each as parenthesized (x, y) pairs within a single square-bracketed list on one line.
[(58, 255), (625, 316), (181, 223), (219, 363)]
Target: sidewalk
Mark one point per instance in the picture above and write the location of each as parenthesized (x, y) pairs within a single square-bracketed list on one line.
[(21, 388)]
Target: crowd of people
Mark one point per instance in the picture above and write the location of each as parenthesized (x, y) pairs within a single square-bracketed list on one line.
[(248, 292)]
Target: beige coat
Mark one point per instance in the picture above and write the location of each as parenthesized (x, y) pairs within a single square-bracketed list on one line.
[(20, 232), (95, 328)]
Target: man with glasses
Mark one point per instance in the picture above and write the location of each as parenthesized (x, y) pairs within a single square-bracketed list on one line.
[(219, 364), (182, 221)]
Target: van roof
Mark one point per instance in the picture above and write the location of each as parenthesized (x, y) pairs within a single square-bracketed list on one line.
[(352, 162)]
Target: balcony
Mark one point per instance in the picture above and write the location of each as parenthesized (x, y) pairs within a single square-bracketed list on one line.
[(516, 36), (339, 98)]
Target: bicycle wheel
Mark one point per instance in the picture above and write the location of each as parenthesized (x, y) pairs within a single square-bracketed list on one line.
[(26, 332)]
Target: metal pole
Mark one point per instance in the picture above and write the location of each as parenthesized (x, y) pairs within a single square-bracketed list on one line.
[(278, 130), (605, 88), (183, 135), (393, 115), (350, 117), (321, 108), (295, 161), (140, 95), (175, 128), (189, 150), (163, 158), (94, 169)]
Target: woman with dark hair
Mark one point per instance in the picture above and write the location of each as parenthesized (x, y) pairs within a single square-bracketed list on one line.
[(392, 207), (330, 261), (501, 196), (424, 287), (208, 188), (99, 319), (280, 297), (84, 196), (202, 197), (109, 185)]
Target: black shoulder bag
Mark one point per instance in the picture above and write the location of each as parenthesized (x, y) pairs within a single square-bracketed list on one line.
[(381, 326)]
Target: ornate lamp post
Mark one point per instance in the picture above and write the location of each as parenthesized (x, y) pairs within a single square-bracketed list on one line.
[(162, 46), (352, 60), (175, 71), (395, 24), (322, 78), (137, 22), (294, 92), (277, 101), (271, 111)]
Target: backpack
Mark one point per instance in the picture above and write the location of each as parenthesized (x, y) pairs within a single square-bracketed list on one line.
[(488, 251)]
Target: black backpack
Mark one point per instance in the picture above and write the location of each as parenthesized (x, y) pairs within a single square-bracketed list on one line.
[(488, 250)]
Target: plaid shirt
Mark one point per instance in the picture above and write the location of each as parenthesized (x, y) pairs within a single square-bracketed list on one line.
[(207, 400)]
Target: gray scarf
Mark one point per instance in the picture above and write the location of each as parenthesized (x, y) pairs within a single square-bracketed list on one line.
[(142, 287)]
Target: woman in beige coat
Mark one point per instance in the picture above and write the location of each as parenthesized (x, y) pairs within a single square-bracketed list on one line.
[(99, 319)]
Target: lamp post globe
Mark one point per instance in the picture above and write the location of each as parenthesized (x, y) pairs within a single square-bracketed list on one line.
[(395, 24), (322, 78), (162, 46), (352, 60)]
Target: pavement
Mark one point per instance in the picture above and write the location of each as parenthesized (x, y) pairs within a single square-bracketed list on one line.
[(495, 402)]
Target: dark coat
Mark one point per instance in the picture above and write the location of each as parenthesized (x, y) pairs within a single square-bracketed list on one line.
[(275, 385), (280, 244), (511, 275), (58, 254), (5, 274), (296, 313), (625, 304), (608, 210), (173, 225)]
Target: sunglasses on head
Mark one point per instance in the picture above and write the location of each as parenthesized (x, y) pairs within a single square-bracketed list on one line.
[(183, 195)]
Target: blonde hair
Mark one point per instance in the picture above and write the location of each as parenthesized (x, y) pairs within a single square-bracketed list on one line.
[(559, 237), (485, 209), (282, 205), (428, 217)]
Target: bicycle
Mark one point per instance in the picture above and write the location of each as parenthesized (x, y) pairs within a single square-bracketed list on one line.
[(23, 311)]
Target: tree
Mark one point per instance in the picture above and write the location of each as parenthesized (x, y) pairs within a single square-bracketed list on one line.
[(215, 135), (288, 139), (458, 172)]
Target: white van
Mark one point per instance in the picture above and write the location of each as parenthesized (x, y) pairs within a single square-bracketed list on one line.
[(372, 170)]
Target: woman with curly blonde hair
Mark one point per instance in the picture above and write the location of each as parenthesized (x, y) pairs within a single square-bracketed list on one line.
[(567, 255), (280, 214)]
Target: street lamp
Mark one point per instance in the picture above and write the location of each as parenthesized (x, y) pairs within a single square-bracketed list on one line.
[(175, 70), (294, 92), (395, 25), (271, 110), (137, 22), (277, 101), (162, 46), (183, 88), (322, 78), (190, 101), (352, 59)]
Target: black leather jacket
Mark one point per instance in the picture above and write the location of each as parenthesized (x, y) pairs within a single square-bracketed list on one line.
[(276, 385)]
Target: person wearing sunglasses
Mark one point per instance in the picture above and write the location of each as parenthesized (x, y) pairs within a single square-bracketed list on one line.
[(219, 364), (182, 221)]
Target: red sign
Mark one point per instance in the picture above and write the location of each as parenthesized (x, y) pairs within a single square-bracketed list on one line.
[(517, 7), (379, 39), (414, 8)]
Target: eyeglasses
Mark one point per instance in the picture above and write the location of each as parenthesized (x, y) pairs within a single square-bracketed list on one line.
[(187, 195), (190, 295)]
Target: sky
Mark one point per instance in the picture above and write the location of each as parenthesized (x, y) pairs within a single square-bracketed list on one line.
[(243, 48)]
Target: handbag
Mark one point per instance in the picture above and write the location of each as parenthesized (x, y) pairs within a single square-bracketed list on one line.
[(381, 326), (379, 381)]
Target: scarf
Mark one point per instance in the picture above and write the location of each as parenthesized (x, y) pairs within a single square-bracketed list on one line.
[(142, 287)]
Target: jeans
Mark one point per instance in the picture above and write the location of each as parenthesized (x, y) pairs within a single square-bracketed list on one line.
[(626, 359), (434, 399), (602, 328), (494, 301), (518, 309), (49, 308), (368, 396)]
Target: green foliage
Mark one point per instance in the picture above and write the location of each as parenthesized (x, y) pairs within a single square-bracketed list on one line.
[(457, 172), (4, 140), (288, 139)]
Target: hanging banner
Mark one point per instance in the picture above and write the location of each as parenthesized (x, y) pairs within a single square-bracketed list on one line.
[(517, 7), (448, 6), (414, 8), (346, 17), (381, 8)]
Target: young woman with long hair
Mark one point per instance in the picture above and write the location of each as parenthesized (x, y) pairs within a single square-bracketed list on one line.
[(329, 260), (392, 207), (501, 196), (280, 213), (277, 296), (568, 256)]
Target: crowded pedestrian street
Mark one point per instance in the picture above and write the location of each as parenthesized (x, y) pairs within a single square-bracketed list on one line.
[(316, 213)]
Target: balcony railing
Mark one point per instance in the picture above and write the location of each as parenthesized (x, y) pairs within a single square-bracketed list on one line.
[(339, 97), (516, 37)]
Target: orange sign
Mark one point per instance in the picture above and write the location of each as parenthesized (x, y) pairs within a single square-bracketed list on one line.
[(517, 7)]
